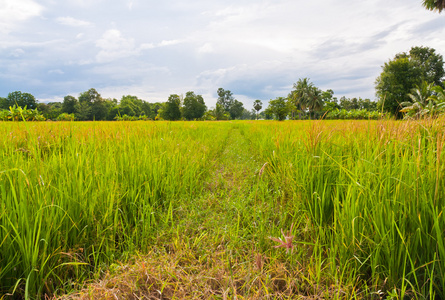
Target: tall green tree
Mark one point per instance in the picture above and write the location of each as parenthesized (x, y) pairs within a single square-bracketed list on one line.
[(257, 105), (90, 106), (429, 63), (21, 99), (367, 104), (349, 104), (70, 104), (50, 110), (219, 113), (146, 109), (130, 106), (133, 106), (194, 106), (99, 109), (89, 96), (330, 102), (171, 110), (111, 108), (236, 109), (435, 5), (154, 109), (225, 98), (278, 108), (83, 112), (4, 104), (328, 96), (232, 106), (403, 73)]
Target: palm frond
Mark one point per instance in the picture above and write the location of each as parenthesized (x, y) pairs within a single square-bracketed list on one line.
[(434, 5)]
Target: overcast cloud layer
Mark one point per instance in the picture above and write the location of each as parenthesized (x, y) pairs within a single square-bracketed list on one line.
[(256, 49)]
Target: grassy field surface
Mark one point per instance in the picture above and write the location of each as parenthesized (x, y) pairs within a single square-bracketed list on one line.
[(222, 210)]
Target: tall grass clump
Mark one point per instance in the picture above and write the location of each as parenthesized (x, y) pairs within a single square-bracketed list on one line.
[(374, 195), (77, 196)]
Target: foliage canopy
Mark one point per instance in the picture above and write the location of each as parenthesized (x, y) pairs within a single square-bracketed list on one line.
[(400, 75)]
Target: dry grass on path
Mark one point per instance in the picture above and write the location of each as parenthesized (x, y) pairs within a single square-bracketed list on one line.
[(183, 274)]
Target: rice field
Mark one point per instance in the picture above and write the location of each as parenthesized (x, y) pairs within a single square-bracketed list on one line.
[(222, 210)]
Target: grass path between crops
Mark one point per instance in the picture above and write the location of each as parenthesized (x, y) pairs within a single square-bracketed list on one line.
[(216, 246), (203, 250)]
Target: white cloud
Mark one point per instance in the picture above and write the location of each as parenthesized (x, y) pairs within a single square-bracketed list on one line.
[(114, 46), (85, 3), (130, 4), (69, 21), (169, 43), (17, 52), (56, 71), (206, 48), (146, 46), (14, 11), (163, 43)]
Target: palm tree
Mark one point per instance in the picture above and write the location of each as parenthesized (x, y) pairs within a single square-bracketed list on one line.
[(438, 5), (257, 105), (421, 101), (315, 100), (300, 95), (439, 97), (439, 93)]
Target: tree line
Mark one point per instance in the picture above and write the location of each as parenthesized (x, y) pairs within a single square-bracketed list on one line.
[(411, 86), (90, 105), (306, 101)]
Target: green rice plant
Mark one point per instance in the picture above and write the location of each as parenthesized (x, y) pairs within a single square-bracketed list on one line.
[(362, 201), (375, 191), (77, 195)]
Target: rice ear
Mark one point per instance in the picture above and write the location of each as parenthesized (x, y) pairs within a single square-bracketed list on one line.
[(262, 169)]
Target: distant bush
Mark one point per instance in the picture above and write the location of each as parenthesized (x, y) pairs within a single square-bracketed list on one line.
[(17, 113), (131, 118), (66, 117), (353, 114)]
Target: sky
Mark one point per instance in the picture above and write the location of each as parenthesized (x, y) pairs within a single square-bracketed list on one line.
[(256, 49)]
